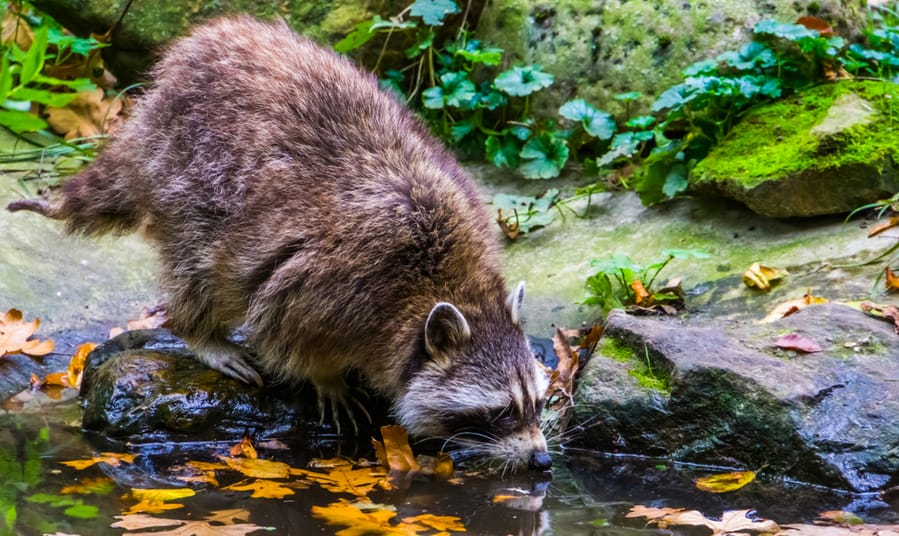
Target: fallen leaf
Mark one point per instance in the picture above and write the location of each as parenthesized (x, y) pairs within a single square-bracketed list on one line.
[(218, 523), (245, 448), (88, 114), (841, 517), (881, 227), (794, 341), (890, 280), (262, 489), (257, 468), (397, 450), (642, 298), (14, 336), (90, 486), (443, 466), (76, 364), (330, 463), (789, 307), (818, 24), (761, 277), (510, 229), (110, 458), (724, 482), (359, 482), (150, 318), (884, 312), (439, 523), (156, 501), (359, 522), (732, 521), (16, 30)]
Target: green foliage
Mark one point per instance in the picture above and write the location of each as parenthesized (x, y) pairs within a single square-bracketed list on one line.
[(611, 285), (23, 82)]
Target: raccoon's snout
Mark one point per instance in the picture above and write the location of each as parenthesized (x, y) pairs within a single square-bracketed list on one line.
[(539, 461)]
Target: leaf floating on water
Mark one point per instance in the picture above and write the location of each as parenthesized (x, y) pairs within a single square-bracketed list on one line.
[(397, 450), (439, 523), (330, 463), (732, 521), (762, 277), (110, 458), (155, 501), (218, 523), (245, 448), (257, 468), (262, 489), (443, 466), (90, 486), (724, 482), (15, 336), (76, 364), (794, 341)]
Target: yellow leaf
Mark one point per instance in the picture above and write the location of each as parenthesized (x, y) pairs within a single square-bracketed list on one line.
[(761, 277), (162, 495), (110, 458), (257, 468), (443, 466), (263, 489), (329, 463), (725, 482), (396, 446), (359, 523), (641, 296), (891, 280), (206, 466), (57, 378), (439, 523), (89, 486)]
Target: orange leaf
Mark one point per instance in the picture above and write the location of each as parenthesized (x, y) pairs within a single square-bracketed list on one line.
[(396, 446), (443, 466), (57, 378), (245, 448), (76, 364), (641, 296), (891, 280), (257, 468), (818, 24), (881, 227), (439, 523), (14, 334), (110, 458), (263, 489)]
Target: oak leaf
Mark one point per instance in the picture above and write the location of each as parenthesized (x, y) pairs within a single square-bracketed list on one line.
[(245, 448), (439, 523), (150, 318), (218, 523), (15, 336), (257, 468), (262, 489), (16, 30), (889, 313)]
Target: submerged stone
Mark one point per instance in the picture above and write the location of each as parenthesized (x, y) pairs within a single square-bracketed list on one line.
[(730, 397), (826, 150)]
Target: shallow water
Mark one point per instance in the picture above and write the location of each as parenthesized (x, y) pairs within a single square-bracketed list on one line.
[(587, 493)]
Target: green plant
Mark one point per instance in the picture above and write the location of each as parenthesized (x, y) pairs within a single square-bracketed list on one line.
[(619, 281), (23, 79)]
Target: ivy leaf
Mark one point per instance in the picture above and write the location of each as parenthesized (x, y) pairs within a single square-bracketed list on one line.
[(522, 81), (475, 54), (491, 99), (629, 96), (703, 67), (432, 12), (502, 152), (432, 98), (641, 121), (458, 90), (461, 129), (597, 123), (544, 156), (674, 98), (675, 181), (784, 30)]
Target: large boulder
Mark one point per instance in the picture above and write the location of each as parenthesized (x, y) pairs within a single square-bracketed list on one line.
[(826, 150), (729, 396), (597, 49)]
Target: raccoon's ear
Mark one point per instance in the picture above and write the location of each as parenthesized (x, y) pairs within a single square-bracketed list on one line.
[(514, 301), (445, 330)]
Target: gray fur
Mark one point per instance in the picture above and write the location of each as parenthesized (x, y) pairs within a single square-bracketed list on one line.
[(285, 191)]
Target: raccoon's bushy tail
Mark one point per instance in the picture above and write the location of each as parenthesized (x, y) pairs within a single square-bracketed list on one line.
[(92, 202)]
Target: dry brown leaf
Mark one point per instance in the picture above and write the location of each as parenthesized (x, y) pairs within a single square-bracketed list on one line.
[(889, 313), (642, 298), (881, 227), (732, 521), (16, 30), (816, 23), (89, 114), (761, 277), (150, 318), (789, 307), (794, 341), (511, 230), (890, 280), (15, 333)]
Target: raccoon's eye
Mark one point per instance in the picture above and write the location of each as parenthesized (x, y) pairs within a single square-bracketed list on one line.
[(501, 417)]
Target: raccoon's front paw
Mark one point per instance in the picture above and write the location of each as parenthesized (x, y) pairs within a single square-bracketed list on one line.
[(230, 360), (334, 392)]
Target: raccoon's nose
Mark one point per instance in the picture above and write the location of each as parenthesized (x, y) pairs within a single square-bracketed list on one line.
[(539, 461)]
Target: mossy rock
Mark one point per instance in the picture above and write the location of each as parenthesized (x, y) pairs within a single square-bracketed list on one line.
[(149, 25), (826, 150), (599, 49)]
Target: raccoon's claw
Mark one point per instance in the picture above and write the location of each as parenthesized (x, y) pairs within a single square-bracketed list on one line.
[(230, 360), (337, 400)]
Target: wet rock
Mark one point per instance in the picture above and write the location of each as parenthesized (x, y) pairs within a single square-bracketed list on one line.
[(822, 151), (146, 385), (726, 395), (599, 49)]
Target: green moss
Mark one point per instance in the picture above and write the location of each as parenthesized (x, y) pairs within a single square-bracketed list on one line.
[(640, 365), (776, 140)]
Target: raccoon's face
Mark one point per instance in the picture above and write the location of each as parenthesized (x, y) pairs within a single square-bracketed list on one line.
[(480, 388)]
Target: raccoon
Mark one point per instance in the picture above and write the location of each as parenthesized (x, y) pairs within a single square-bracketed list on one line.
[(285, 191)]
